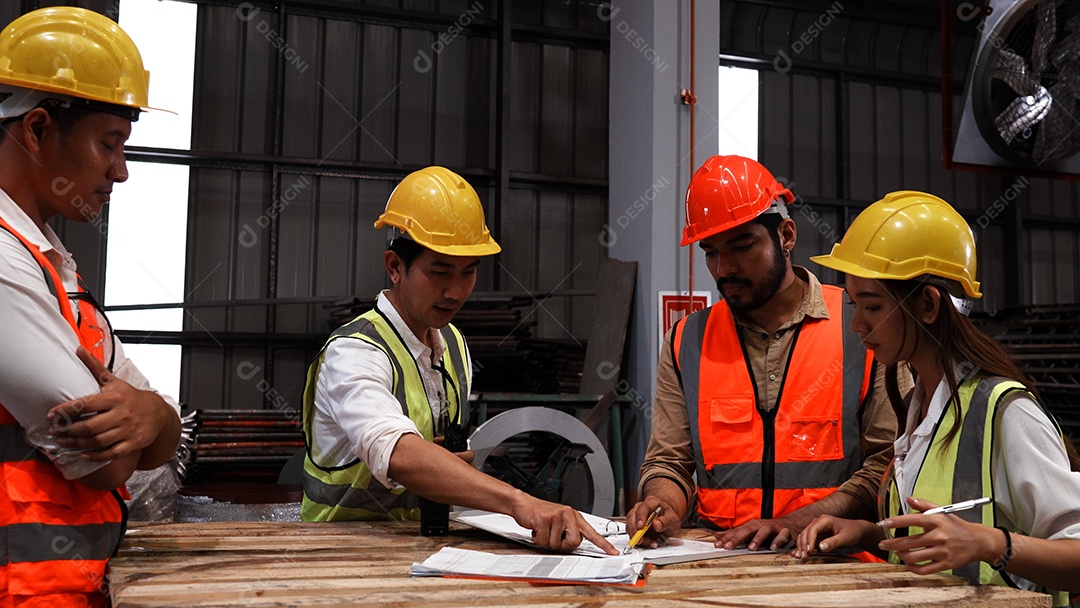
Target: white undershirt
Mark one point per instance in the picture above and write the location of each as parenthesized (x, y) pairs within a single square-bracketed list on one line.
[(356, 412), (38, 366), (1035, 491)]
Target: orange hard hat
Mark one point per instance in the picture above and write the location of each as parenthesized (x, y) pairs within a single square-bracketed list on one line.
[(728, 191)]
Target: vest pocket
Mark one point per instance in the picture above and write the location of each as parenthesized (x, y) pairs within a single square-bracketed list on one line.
[(730, 409), (717, 507), (814, 439), (727, 424)]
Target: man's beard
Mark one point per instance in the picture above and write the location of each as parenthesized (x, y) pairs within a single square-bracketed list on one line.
[(758, 294)]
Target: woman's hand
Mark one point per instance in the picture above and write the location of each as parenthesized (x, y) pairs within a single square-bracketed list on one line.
[(828, 533), (946, 542)]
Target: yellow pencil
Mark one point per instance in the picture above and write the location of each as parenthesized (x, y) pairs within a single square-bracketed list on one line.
[(641, 531)]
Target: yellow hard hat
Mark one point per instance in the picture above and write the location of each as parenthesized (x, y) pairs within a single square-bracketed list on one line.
[(75, 52), (438, 209), (905, 235)]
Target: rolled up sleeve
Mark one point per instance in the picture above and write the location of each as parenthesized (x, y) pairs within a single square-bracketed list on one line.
[(669, 454), (38, 365), (356, 414)]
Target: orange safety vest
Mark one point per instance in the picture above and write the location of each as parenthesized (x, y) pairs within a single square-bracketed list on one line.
[(57, 534), (753, 463)]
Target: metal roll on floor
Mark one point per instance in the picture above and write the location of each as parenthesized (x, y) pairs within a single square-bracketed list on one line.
[(599, 495)]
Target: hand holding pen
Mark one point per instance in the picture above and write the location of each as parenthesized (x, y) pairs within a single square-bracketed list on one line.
[(953, 508), (938, 541), (829, 533), (634, 540)]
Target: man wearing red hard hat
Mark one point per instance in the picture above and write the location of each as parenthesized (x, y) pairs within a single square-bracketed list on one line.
[(767, 396)]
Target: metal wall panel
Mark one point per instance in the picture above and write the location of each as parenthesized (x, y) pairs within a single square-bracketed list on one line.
[(227, 241), (554, 248), (311, 137), (234, 72), (525, 106), (556, 116), (590, 115), (851, 110)]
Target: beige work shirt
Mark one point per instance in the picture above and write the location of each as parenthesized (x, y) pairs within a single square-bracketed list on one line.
[(670, 453)]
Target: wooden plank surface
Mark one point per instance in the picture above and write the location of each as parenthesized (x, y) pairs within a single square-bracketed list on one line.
[(353, 564)]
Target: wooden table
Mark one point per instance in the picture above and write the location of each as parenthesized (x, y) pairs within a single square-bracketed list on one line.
[(294, 564)]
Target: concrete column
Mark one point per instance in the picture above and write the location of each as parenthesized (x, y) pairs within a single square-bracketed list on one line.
[(650, 168)]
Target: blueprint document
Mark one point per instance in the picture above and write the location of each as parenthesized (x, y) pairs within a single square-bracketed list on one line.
[(675, 551), (621, 570)]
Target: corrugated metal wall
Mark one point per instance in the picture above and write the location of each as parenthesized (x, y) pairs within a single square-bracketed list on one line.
[(355, 98), (851, 109), (308, 112)]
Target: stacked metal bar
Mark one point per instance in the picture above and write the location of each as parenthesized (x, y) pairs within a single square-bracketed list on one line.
[(1045, 342), (245, 444), (505, 355)]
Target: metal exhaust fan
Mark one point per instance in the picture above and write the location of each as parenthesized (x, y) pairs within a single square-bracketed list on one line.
[(1022, 100)]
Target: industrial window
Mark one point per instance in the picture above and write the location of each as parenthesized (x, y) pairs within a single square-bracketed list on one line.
[(738, 111), (147, 235)]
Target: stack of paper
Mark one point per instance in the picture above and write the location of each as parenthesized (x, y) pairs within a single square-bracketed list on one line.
[(675, 551), (450, 561)]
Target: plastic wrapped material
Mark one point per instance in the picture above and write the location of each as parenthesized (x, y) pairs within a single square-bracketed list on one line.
[(238, 502), (153, 493)]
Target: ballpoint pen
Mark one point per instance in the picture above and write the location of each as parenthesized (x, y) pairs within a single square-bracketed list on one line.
[(641, 532), (953, 508), (959, 506)]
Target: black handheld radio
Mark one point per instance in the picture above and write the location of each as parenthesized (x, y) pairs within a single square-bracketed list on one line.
[(435, 516)]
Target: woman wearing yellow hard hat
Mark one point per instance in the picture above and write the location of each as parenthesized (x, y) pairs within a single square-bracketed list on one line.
[(972, 435)]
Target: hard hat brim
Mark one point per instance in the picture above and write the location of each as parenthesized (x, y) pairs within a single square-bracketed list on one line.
[(489, 247), (855, 270)]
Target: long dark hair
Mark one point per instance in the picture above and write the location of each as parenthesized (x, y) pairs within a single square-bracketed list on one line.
[(959, 341)]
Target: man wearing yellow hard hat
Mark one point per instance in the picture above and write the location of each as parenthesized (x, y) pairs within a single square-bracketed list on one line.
[(391, 381), (77, 417)]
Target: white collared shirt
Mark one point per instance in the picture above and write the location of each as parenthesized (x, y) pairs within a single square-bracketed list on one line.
[(38, 365), (1035, 491), (356, 412)]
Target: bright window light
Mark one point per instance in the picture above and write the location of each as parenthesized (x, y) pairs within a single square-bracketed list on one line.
[(147, 239), (738, 111), (160, 363), (147, 242), (168, 52), (145, 257)]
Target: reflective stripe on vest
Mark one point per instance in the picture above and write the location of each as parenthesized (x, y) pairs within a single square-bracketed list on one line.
[(961, 469), (743, 471), (57, 534), (337, 493)]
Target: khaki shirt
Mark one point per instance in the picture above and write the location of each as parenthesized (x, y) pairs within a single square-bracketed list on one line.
[(670, 453)]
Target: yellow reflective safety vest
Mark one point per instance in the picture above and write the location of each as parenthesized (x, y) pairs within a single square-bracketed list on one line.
[(961, 470), (347, 492)]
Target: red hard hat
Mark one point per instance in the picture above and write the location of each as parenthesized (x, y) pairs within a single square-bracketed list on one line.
[(728, 191)]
